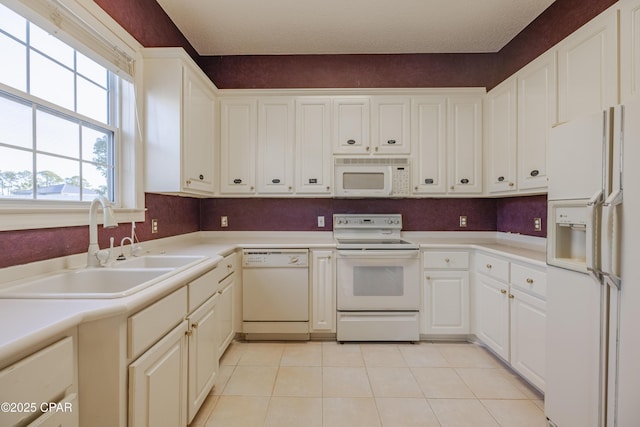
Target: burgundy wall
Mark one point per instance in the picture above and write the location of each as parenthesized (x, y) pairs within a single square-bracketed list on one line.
[(516, 214), (175, 215), (301, 214)]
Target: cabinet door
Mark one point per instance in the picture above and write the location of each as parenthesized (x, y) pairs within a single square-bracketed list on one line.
[(445, 308), (238, 135), (629, 50), (158, 383), (390, 125), (323, 299), (225, 314), (428, 139), (492, 313), (351, 118), (528, 336), (275, 145), (536, 115), (588, 68), (464, 143), (198, 135), (313, 145), (203, 354), (500, 111)]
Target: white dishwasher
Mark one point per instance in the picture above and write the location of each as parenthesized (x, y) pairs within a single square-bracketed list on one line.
[(275, 294)]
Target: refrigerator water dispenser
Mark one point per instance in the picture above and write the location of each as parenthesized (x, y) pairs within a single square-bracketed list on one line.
[(567, 246)]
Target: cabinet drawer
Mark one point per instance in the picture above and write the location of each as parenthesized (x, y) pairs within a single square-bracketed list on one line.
[(42, 377), (493, 267), (231, 263), (150, 324), (529, 279), (446, 260), (206, 285)]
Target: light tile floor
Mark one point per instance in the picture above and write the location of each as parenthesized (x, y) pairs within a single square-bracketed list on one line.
[(326, 384)]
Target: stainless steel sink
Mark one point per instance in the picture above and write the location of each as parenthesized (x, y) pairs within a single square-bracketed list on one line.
[(159, 261), (102, 283)]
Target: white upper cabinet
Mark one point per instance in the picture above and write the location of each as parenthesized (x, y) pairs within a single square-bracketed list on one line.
[(464, 144), (629, 50), (429, 144), (179, 124), (351, 122), (238, 138), (588, 68), (500, 138), (276, 129), (536, 115), (313, 145), (390, 125)]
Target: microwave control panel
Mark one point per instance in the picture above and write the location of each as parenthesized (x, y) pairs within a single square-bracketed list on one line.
[(401, 181)]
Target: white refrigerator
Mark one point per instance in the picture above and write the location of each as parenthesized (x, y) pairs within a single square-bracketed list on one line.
[(593, 257)]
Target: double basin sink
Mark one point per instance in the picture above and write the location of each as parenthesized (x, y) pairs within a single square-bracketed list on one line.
[(122, 279)]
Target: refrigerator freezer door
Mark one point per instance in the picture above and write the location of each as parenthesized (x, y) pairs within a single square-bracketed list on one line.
[(572, 391), (575, 158)]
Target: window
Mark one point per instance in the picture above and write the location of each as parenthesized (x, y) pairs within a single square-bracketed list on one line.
[(57, 139), (68, 127)]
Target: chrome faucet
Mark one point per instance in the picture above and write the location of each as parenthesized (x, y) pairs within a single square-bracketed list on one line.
[(109, 221)]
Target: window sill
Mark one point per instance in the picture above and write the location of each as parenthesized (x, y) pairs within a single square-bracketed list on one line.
[(16, 218)]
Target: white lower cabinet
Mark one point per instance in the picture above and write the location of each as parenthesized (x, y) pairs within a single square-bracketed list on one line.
[(493, 314), (445, 294), (48, 376), (224, 314), (323, 295), (203, 354), (511, 314), (158, 383)]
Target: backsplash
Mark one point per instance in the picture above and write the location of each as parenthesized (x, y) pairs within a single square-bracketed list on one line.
[(180, 215), (273, 214)]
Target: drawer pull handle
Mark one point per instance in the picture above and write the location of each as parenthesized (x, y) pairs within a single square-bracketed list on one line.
[(201, 177), (503, 291), (237, 181), (351, 141), (489, 266), (391, 141), (529, 280)]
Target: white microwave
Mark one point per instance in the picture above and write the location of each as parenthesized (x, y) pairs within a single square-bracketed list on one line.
[(372, 177)]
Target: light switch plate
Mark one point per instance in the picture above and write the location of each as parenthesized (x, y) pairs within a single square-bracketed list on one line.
[(224, 221), (320, 221)]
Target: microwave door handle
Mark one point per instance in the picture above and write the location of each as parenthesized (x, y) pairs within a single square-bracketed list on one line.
[(610, 239), (593, 264), (389, 181)]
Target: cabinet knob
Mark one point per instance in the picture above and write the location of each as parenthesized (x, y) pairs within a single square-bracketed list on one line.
[(529, 280), (194, 325), (368, 148), (428, 277), (500, 178), (251, 188), (376, 148), (503, 291), (351, 141), (290, 188), (415, 188), (535, 172), (328, 188), (453, 187), (229, 266), (511, 184), (201, 177), (188, 182), (447, 260), (489, 266), (188, 333), (275, 181), (511, 296)]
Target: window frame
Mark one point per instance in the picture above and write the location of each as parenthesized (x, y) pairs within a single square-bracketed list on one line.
[(106, 35)]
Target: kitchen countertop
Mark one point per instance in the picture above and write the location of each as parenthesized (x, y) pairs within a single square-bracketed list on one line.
[(28, 322)]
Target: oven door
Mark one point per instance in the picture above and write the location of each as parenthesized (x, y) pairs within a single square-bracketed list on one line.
[(378, 280)]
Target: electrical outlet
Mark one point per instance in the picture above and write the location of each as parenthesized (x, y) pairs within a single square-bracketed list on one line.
[(224, 221), (320, 221), (154, 226), (537, 224), (463, 221)]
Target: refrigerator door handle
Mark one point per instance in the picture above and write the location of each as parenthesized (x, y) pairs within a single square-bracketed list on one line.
[(593, 266), (610, 237)]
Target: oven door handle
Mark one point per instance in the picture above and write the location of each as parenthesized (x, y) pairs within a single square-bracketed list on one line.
[(373, 253)]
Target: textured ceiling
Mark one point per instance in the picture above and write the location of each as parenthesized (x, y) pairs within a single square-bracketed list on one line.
[(267, 27)]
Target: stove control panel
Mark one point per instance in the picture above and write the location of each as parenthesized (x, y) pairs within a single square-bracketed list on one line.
[(377, 221)]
